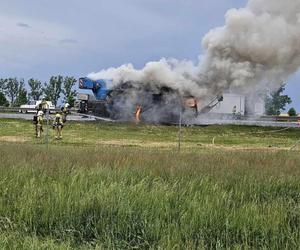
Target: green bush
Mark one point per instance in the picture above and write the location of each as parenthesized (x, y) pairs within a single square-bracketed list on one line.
[(292, 112)]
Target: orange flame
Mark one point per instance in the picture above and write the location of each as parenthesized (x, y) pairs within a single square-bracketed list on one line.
[(138, 113)]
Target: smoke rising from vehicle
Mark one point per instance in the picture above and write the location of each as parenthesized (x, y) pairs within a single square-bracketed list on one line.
[(258, 48)]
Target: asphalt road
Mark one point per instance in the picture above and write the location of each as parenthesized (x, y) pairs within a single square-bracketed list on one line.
[(200, 121), (248, 123)]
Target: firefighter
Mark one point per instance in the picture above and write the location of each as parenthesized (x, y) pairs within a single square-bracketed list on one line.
[(234, 110), (44, 106), (65, 112), (236, 115), (58, 125), (39, 120), (138, 113)]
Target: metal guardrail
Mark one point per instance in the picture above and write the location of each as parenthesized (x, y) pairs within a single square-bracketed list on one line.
[(8, 110), (18, 110), (280, 118), (262, 118)]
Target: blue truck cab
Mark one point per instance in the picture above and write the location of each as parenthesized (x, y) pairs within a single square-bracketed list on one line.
[(101, 88)]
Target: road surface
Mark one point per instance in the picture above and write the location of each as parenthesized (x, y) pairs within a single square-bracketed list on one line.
[(200, 121)]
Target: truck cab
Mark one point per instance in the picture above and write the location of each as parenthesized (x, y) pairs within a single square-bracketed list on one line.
[(100, 88)]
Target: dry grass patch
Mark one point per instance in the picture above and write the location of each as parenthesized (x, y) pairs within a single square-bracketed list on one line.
[(137, 143), (14, 139)]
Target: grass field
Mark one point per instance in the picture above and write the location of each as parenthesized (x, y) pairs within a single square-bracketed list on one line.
[(123, 186), (148, 136)]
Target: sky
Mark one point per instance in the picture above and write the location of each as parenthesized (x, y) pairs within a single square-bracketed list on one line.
[(41, 38)]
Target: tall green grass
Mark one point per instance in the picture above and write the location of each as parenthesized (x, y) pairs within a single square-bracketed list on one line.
[(128, 198)]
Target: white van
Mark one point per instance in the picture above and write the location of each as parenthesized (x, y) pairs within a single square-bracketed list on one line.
[(32, 106)]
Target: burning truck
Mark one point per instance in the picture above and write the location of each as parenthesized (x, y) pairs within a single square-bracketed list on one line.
[(129, 101), (256, 50)]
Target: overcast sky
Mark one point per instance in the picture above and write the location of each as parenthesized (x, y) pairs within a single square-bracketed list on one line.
[(40, 38)]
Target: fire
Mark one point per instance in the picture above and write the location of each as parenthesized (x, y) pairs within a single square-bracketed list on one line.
[(138, 113)]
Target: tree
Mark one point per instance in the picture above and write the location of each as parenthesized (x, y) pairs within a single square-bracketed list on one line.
[(275, 102), (11, 89), (3, 100), (22, 94), (292, 112), (36, 89), (53, 90), (2, 84), (68, 91)]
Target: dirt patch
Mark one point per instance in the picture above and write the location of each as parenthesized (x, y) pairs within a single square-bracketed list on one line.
[(151, 144), (13, 139), (248, 148), (137, 143)]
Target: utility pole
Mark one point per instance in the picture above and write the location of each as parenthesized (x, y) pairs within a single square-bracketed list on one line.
[(180, 128), (47, 128)]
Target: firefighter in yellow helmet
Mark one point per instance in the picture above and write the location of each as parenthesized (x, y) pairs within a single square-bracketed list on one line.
[(39, 120), (58, 125), (65, 111), (44, 106)]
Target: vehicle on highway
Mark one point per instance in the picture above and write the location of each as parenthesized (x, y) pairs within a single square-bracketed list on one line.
[(130, 101), (32, 106)]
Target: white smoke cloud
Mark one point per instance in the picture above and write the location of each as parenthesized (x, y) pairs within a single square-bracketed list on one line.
[(258, 48), (166, 72)]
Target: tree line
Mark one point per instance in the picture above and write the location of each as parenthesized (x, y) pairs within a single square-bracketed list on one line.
[(276, 101), (14, 92)]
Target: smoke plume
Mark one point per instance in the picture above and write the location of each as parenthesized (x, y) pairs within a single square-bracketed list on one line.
[(258, 48)]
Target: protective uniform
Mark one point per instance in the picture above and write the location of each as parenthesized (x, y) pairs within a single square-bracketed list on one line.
[(65, 111), (39, 123), (66, 106), (43, 105), (58, 125)]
